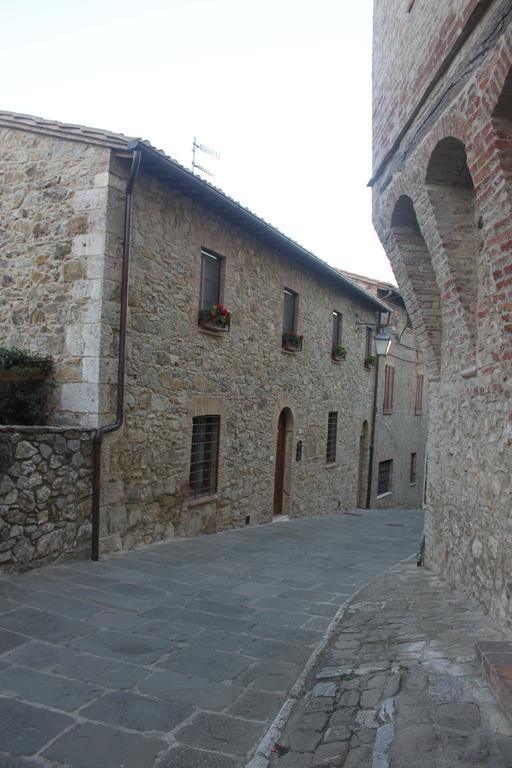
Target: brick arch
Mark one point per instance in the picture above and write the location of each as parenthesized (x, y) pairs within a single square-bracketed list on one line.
[(420, 288), (452, 196)]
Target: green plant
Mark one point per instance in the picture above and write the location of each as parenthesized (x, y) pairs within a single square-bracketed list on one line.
[(22, 387), (216, 315), (369, 362), (339, 352), (292, 340), (13, 358)]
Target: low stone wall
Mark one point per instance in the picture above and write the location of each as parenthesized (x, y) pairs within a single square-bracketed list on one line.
[(45, 494)]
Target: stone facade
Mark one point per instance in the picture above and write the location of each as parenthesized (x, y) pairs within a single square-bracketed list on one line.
[(401, 430), (175, 370), (52, 244), (45, 494), (442, 208)]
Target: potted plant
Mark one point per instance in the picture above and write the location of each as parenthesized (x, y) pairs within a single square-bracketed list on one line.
[(22, 391), (217, 318), (292, 342), (339, 352), (369, 362)]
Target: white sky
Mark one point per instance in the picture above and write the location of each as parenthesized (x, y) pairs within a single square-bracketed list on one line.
[(282, 89)]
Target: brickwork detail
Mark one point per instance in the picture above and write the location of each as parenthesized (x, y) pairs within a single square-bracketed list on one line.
[(469, 244)]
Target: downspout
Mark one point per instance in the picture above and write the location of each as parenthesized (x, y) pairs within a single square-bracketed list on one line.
[(372, 435), (121, 359)]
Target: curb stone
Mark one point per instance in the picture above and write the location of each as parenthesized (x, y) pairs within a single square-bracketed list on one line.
[(262, 753)]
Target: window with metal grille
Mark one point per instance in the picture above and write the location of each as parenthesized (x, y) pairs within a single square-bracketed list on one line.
[(332, 432), (389, 389), (210, 280), (418, 407), (412, 469), (337, 327), (205, 456), (289, 311), (384, 477)]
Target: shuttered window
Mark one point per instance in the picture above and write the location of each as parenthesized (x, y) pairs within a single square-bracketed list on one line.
[(418, 407), (385, 477), (289, 311), (210, 279), (337, 320), (389, 389), (332, 434), (205, 456)]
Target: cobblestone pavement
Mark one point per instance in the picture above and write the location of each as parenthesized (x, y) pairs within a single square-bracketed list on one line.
[(398, 685), (177, 654)]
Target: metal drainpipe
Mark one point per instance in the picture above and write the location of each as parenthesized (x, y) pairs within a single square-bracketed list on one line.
[(372, 436), (121, 358)]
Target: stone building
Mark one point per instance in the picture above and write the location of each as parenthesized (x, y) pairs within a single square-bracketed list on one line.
[(400, 431), (442, 206), (227, 420)]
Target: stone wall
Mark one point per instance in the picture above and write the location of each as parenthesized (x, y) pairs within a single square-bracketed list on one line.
[(52, 243), (45, 495), (176, 370), (443, 210)]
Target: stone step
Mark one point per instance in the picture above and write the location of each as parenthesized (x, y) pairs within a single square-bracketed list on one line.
[(495, 659)]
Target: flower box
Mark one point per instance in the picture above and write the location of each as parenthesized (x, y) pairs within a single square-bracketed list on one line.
[(292, 342), (339, 353), (217, 319), (369, 362)]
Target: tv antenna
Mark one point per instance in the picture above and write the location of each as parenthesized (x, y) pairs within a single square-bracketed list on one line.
[(197, 147)]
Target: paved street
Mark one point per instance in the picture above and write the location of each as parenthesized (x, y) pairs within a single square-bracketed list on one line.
[(178, 654), (398, 685)]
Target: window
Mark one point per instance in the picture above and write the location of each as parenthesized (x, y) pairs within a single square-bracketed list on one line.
[(389, 387), (337, 327), (210, 280), (385, 477), (419, 395), (289, 311), (332, 430), (412, 469), (205, 456)]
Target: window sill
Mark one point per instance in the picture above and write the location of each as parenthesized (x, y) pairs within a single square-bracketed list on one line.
[(411, 485), (331, 465), (387, 413), (383, 495), (336, 362), (212, 331), (197, 502), (290, 351)]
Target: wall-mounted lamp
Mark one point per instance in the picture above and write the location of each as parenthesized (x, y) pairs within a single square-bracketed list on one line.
[(382, 343)]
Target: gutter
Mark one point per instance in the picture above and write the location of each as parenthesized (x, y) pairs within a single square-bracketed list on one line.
[(121, 358)]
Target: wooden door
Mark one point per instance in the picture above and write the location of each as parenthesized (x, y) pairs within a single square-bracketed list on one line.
[(280, 464), (362, 488)]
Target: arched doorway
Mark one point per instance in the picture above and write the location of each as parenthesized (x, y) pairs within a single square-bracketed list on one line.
[(282, 480), (362, 485)]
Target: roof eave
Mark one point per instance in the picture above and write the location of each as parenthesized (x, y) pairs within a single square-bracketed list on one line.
[(250, 220)]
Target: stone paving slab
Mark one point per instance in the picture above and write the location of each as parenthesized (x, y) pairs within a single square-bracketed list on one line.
[(182, 653), (399, 686)]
